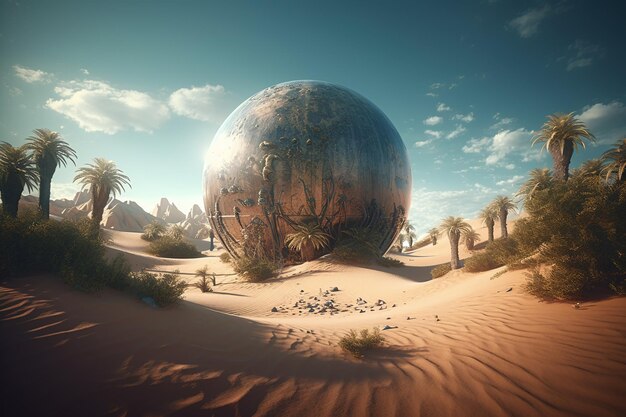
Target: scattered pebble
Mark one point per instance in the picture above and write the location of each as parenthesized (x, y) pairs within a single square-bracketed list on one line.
[(274, 310), (388, 327), (510, 289)]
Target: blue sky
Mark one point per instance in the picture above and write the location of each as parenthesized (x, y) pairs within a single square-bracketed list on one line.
[(147, 84)]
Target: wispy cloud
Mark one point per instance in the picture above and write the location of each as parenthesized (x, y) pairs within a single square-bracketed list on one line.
[(31, 75), (501, 123), (442, 107), (507, 142), (207, 103), (422, 143), (98, 107), (513, 180), (84, 71), (464, 117), (456, 132), (527, 24), (433, 120), (434, 133), (584, 53), (477, 145)]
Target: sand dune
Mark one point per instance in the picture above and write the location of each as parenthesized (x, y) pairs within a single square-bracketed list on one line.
[(465, 345)]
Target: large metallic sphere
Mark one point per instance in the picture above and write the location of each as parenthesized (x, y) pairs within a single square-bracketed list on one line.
[(300, 154)]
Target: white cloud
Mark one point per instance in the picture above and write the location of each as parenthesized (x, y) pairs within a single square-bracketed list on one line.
[(66, 190), (421, 144), (456, 132), (584, 54), (509, 141), (511, 166), (98, 107), (431, 94), (433, 120), (606, 121), (510, 181), (14, 91), (464, 117), (84, 71), (501, 123), (527, 24), (429, 207), (442, 107), (477, 145), (434, 133), (31, 75), (205, 103), (435, 86)]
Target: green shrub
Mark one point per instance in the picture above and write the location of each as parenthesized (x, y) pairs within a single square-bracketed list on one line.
[(164, 289), (358, 344), (389, 262), (496, 254), (577, 226), (169, 247), (225, 257), (440, 270), (254, 269)]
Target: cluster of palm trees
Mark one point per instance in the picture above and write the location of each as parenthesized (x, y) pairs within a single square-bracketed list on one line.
[(33, 165)]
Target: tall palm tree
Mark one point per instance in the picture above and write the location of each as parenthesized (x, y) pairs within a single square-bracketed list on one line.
[(103, 178), (539, 179), (434, 234), (409, 233), (615, 160), (454, 227), (589, 170), (470, 237), (307, 238), (503, 205), (17, 171), (49, 151), (561, 135), (489, 216)]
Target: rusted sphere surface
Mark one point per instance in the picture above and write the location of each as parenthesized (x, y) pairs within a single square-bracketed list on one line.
[(305, 153)]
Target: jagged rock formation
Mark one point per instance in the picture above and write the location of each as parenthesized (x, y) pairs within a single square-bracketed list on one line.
[(127, 216), (168, 212), (196, 224)]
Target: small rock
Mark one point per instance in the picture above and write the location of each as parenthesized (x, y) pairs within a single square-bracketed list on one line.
[(388, 327), (274, 310), (334, 289), (393, 306), (301, 290), (362, 311), (510, 289), (311, 310), (577, 306)]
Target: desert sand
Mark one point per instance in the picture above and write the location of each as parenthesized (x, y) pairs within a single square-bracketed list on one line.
[(461, 345)]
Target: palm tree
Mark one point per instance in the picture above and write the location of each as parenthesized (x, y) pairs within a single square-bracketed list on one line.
[(615, 160), (204, 275), (176, 232), (590, 169), (49, 151), (489, 216), (307, 238), (409, 233), (562, 134), (470, 237), (153, 230), (454, 227), (502, 205), (434, 234), (17, 171), (539, 179), (102, 177)]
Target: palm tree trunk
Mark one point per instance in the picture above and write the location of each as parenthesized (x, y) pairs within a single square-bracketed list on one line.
[(12, 194), (503, 231), (561, 161), (454, 250), (44, 196), (490, 225), (99, 199)]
